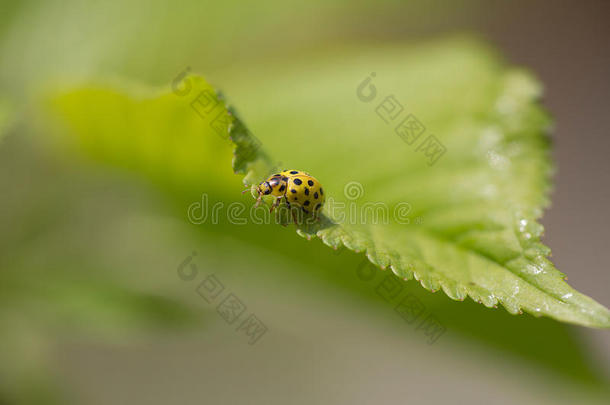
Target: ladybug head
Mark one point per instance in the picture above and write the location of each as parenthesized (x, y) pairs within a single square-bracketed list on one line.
[(264, 188)]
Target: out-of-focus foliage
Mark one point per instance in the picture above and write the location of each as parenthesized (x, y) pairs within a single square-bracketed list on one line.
[(56, 276), (6, 117)]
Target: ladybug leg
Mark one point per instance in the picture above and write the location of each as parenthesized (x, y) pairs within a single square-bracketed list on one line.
[(287, 205), (294, 218), (275, 204)]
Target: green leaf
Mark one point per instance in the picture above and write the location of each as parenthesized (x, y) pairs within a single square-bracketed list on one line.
[(465, 223), (169, 137), (472, 226)]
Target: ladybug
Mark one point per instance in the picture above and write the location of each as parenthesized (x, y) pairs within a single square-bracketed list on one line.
[(296, 188)]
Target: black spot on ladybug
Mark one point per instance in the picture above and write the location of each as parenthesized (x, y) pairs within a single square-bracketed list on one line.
[(284, 178), (298, 182), (293, 191), (306, 191), (315, 195), (306, 203), (318, 205), (268, 191), (310, 183), (283, 188), (321, 191), (294, 172), (305, 211)]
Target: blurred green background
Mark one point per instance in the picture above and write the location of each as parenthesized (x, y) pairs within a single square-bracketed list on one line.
[(93, 309)]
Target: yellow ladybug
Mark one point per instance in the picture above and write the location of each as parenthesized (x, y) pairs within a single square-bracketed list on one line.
[(296, 188)]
